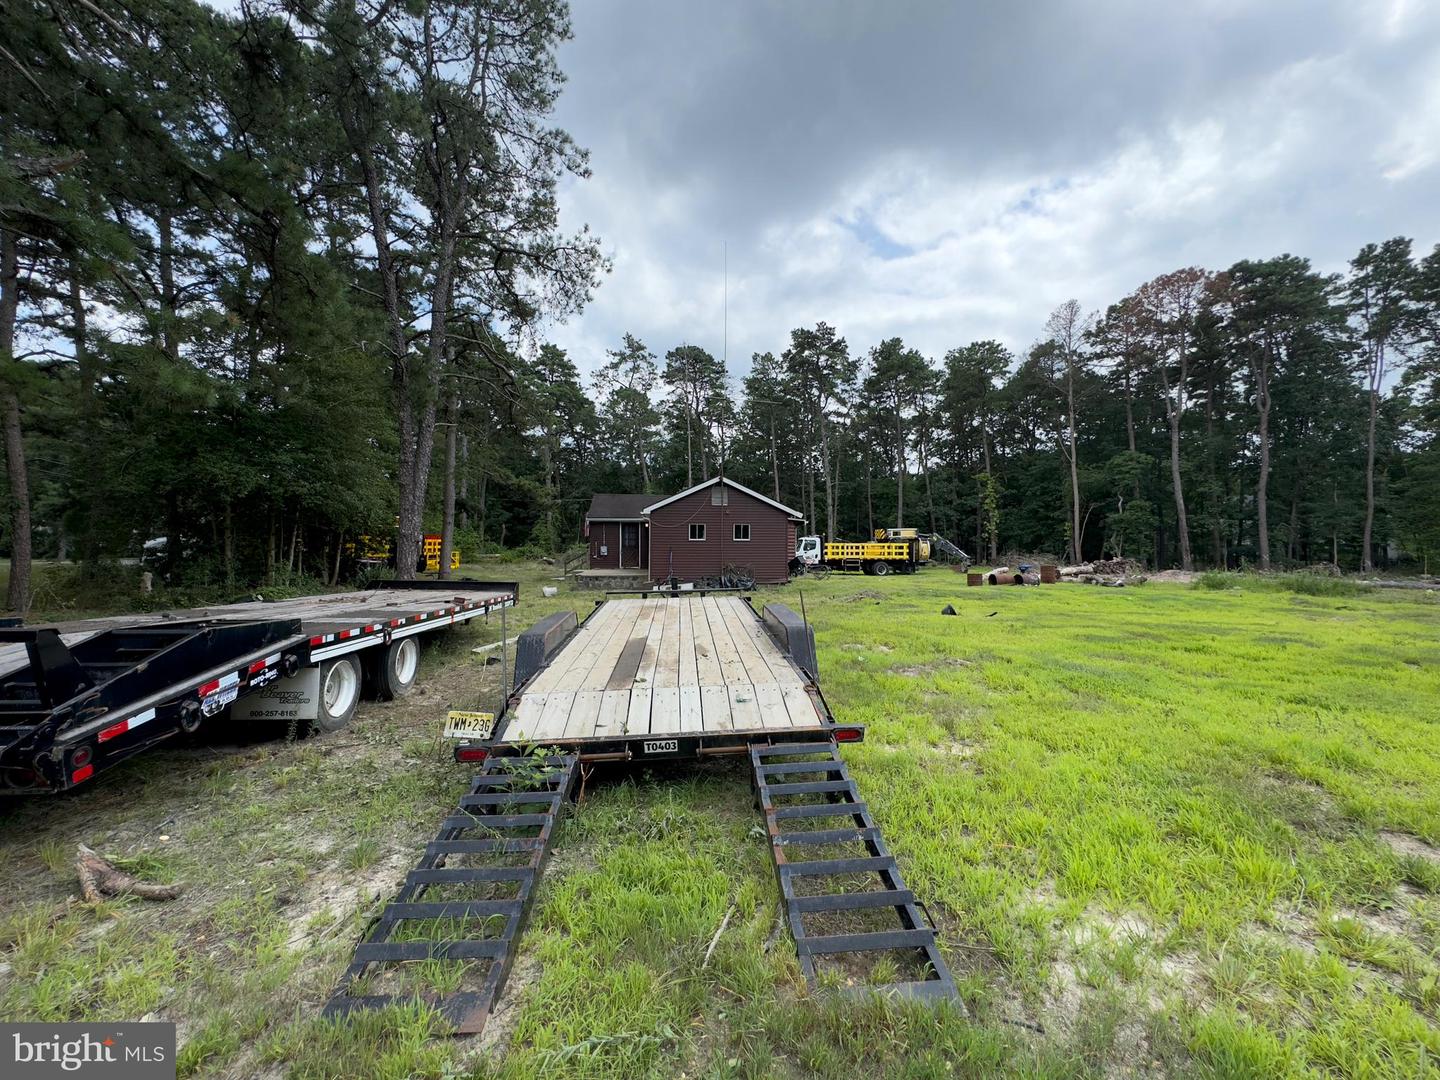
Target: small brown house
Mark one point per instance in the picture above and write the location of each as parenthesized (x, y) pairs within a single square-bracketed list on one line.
[(617, 531), (694, 534), (717, 523)]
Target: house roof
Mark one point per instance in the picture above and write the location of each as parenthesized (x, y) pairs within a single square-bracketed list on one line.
[(606, 506), (728, 483)]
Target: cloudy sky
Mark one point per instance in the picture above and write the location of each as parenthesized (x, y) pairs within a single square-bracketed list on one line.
[(952, 171)]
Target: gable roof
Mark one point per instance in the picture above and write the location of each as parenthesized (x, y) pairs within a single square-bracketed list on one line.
[(729, 483), (616, 507)]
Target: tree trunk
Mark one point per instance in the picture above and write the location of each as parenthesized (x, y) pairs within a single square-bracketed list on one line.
[(825, 465), (774, 458), (1367, 562), (229, 548), (20, 532), (481, 509), (447, 522), (1174, 409), (1262, 494), (1076, 528), (899, 470)]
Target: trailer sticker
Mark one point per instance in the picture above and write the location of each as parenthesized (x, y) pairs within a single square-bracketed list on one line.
[(214, 702), (261, 678), (662, 746), (469, 725)]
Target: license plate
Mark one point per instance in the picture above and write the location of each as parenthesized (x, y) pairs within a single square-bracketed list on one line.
[(663, 746), (469, 725)]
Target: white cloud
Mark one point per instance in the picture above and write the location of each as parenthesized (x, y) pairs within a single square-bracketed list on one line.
[(889, 176)]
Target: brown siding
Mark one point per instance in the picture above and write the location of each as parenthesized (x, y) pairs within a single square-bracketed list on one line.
[(767, 553), (607, 534)]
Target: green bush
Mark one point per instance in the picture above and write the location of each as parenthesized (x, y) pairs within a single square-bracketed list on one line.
[(1217, 579)]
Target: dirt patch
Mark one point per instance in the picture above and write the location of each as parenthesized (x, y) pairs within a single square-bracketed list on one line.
[(494, 1041), (861, 597), (1404, 844), (933, 667), (1178, 577)]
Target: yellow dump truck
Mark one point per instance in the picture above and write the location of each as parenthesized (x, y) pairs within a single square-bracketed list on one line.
[(897, 550)]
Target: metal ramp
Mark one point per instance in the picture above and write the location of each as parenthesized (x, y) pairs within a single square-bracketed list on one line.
[(939, 542), (487, 830), (818, 770)]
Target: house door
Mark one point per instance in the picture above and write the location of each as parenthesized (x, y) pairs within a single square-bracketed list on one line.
[(629, 543)]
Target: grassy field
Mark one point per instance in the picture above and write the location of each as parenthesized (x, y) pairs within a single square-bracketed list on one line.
[(1165, 830)]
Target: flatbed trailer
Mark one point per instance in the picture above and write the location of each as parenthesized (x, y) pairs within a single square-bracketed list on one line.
[(663, 675), (77, 698)]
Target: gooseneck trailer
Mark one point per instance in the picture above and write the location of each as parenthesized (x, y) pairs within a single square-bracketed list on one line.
[(662, 676), (77, 698)]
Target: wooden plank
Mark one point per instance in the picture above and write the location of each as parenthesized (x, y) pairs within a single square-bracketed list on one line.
[(665, 710), (525, 718), (744, 709), (667, 667), (645, 670), (614, 708), (756, 669), (622, 676), (692, 717), (687, 675), (637, 717), (551, 724), (773, 713), (576, 650), (743, 623), (715, 708), (801, 707), (707, 664), (584, 714), (732, 671), (602, 660)]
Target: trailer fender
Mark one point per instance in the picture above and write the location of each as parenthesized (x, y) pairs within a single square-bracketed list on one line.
[(795, 638), (536, 645)]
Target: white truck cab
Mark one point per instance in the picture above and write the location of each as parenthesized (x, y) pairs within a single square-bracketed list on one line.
[(807, 550)]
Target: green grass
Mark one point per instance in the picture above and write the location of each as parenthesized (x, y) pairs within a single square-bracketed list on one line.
[(1147, 821)]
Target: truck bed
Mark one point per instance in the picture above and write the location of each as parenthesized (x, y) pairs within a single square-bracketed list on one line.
[(665, 665)]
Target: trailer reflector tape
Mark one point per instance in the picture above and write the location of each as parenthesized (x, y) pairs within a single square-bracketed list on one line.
[(209, 687), (126, 725), (82, 773), (317, 640), (397, 622)]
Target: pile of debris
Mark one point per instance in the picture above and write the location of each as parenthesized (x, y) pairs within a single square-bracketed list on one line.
[(1114, 573)]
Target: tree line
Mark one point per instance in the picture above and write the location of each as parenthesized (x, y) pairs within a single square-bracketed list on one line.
[(255, 268), (1268, 414), (272, 281)]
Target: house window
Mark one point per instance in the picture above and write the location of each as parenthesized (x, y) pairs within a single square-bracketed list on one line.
[(742, 532), (697, 530), (719, 495)]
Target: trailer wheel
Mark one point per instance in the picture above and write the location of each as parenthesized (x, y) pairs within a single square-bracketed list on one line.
[(339, 693), (396, 666), (881, 568)]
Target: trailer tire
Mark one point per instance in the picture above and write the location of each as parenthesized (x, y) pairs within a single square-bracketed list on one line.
[(881, 568), (395, 667), (340, 683)]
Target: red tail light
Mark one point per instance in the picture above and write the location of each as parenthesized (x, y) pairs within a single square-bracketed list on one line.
[(849, 734), (471, 753)]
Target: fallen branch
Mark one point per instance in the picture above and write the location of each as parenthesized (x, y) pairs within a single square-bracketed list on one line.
[(99, 879), (716, 939)]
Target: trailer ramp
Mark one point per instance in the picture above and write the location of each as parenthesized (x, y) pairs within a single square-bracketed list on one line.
[(510, 811), (784, 772)]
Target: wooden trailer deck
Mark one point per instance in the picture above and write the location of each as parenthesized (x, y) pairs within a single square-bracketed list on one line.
[(665, 665)]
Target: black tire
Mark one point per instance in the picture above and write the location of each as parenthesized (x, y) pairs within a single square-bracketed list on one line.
[(340, 682), (395, 667), (880, 568)]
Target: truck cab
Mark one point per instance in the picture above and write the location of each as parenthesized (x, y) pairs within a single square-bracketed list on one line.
[(807, 550)]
